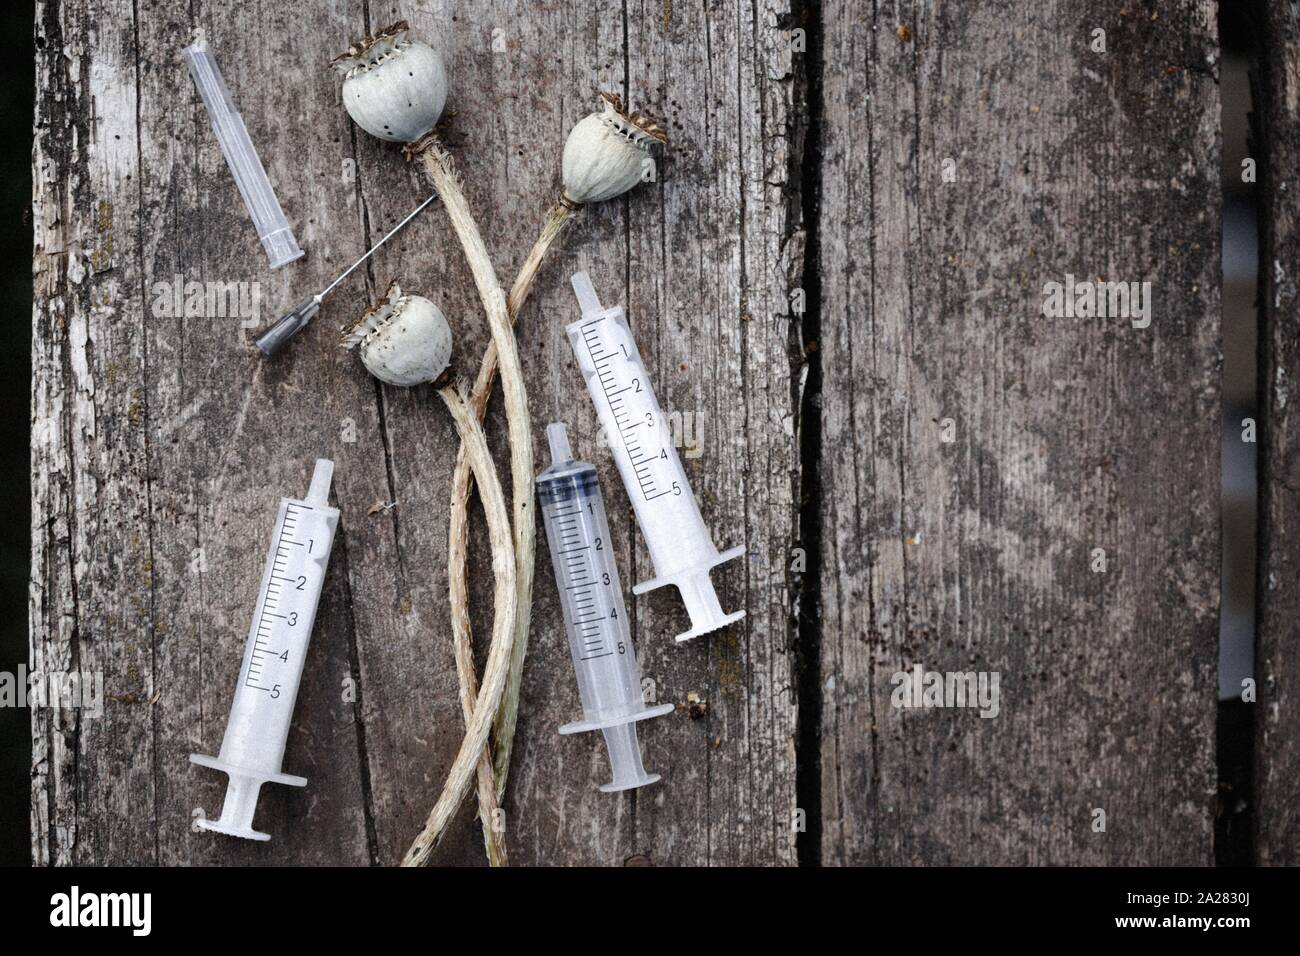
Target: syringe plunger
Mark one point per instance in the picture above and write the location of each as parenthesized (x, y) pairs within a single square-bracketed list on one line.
[(625, 758)]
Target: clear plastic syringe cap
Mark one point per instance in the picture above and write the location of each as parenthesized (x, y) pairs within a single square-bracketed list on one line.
[(241, 156)]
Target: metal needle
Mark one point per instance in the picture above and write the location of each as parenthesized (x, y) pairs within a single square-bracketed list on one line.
[(292, 322)]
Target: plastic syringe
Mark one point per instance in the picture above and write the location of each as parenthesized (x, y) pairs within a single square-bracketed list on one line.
[(666, 510), (252, 750), (591, 598), (241, 156)]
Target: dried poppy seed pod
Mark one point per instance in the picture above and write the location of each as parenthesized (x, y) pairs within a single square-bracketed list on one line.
[(607, 152), (393, 87), (405, 339)]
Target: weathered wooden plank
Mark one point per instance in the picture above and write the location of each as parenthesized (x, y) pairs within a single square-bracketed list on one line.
[(163, 442), (679, 257), (1277, 720), (1067, 435), (708, 295), (229, 433), (91, 564), (509, 149), (214, 450)]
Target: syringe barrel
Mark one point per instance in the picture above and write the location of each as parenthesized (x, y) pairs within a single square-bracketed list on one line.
[(591, 596), (278, 638), (642, 444)]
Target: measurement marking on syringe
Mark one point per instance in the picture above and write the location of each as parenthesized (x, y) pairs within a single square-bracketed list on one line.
[(623, 421), (270, 597)]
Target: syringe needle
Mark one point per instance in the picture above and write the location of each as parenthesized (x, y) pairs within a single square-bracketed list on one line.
[(392, 232), (292, 322)]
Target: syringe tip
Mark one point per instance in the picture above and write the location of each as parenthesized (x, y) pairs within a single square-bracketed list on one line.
[(557, 436), (319, 493), (588, 301)]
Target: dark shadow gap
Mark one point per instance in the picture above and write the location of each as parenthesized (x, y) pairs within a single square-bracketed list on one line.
[(1235, 725), (17, 104)]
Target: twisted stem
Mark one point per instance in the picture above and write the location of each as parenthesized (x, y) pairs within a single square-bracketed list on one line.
[(437, 165), (503, 631), (463, 646), (507, 717), (462, 487)]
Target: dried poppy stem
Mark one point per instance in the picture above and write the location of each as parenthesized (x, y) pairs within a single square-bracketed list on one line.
[(463, 484), (462, 644), (503, 631), (437, 165)]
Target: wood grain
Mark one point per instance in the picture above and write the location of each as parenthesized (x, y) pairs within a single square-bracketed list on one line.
[(1277, 716), (1068, 435), (162, 443)]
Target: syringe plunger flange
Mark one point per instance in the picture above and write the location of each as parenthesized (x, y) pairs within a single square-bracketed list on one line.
[(242, 790), (595, 620)]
